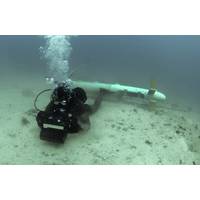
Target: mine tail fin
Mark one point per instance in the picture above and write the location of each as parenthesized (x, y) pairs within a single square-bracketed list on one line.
[(153, 88), (151, 92)]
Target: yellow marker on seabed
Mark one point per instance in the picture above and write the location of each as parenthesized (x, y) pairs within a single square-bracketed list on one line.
[(151, 93)]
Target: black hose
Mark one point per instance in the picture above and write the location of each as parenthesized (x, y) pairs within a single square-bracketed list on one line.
[(36, 98)]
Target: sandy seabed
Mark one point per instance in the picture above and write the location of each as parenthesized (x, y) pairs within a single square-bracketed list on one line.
[(120, 133)]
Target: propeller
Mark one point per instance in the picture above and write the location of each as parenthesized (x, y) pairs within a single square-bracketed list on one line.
[(151, 92)]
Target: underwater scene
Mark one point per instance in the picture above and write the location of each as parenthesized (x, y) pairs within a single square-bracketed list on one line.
[(100, 99)]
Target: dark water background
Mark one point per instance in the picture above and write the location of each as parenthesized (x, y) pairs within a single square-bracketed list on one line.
[(174, 61)]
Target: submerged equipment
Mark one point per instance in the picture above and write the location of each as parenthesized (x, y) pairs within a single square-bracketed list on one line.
[(151, 93)]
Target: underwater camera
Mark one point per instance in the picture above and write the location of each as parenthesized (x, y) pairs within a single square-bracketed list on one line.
[(61, 115)]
